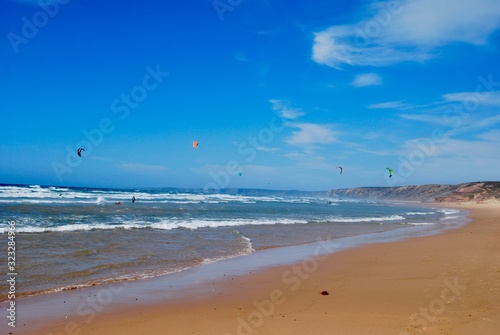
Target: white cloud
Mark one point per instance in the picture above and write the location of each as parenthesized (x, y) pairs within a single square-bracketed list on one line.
[(433, 23), (459, 110), (477, 124), (388, 105), (285, 111), (337, 45), (427, 118), (367, 79), (310, 134), (454, 121), (453, 149), (409, 32), (375, 152), (474, 98), (266, 149)]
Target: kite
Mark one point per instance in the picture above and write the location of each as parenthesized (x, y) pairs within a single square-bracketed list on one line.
[(390, 172), (79, 152), (340, 167), (195, 144)]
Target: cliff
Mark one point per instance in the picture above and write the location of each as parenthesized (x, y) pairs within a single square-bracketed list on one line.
[(474, 192)]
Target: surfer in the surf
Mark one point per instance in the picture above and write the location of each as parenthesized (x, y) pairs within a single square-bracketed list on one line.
[(133, 199)]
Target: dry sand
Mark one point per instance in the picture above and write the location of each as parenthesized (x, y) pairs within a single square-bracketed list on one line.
[(440, 284)]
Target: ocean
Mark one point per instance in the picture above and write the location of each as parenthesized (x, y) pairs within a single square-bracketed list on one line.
[(67, 238)]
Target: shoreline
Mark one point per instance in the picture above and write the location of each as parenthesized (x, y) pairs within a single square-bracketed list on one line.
[(160, 272), (237, 302)]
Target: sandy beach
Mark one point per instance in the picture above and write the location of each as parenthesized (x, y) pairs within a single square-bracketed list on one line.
[(441, 284)]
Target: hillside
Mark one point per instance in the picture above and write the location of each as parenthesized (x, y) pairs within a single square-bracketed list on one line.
[(473, 192)]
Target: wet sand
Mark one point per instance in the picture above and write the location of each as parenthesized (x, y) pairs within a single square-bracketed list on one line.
[(441, 284)]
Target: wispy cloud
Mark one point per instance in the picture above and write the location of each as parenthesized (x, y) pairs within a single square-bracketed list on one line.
[(367, 79), (407, 33), (311, 134), (284, 109), (241, 57), (388, 105), (426, 118), (488, 98), (452, 149), (375, 152), (266, 149), (458, 108), (478, 124), (337, 46)]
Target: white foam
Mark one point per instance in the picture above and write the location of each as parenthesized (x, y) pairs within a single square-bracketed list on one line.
[(74, 227), (163, 224), (248, 249), (123, 222), (419, 213), (418, 223), (205, 223), (367, 219), (450, 218), (38, 194), (449, 211), (49, 195)]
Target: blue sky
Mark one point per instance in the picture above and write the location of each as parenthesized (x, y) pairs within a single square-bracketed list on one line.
[(281, 92)]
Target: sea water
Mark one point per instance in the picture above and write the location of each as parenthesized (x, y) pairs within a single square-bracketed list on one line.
[(77, 237)]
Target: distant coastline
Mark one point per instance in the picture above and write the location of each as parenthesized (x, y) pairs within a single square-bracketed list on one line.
[(475, 192)]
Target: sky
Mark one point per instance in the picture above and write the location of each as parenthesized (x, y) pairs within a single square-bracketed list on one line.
[(277, 93)]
